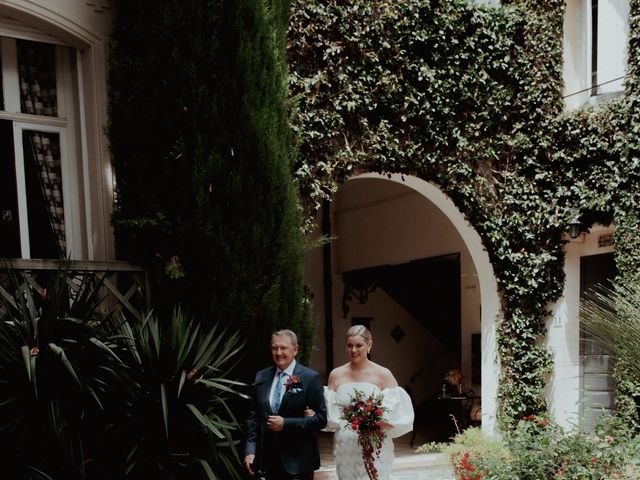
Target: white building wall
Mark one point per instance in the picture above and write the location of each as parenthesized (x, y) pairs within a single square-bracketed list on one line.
[(576, 41)]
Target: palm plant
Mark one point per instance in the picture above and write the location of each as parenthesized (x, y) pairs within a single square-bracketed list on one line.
[(88, 394), (611, 317), (55, 370), (181, 424)]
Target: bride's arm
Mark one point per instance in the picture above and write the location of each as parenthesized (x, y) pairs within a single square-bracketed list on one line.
[(400, 415), (332, 381), (387, 379)]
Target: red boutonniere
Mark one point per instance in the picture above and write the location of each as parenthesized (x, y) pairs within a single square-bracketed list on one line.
[(293, 384)]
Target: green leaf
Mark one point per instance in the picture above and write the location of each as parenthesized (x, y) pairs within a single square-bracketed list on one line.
[(219, 385), (165, 409), (205, 421), (27, 359), (65, 361), (207, 469), (183, 376), (105, 348)]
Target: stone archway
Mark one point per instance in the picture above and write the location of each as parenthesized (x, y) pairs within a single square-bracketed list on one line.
[(489, 300)]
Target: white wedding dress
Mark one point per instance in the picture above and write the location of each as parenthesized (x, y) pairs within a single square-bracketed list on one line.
[(347, 451)]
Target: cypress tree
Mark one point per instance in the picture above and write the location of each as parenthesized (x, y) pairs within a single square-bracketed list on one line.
[(203, 155)]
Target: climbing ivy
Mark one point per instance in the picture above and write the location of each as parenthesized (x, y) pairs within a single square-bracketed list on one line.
[(469, 97), (627, 208)]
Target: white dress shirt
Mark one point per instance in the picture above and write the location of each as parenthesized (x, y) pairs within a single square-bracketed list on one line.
[(283, 378)]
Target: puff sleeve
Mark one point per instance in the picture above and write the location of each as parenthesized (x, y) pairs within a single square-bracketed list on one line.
[(400, 411), (333, 412)]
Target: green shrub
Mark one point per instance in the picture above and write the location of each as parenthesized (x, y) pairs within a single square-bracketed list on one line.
[(58, 373), (205, 195), (466, 450), (180, 424), (88, 395), (537, 449)]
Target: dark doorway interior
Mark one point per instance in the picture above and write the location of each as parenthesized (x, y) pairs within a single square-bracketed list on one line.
[(429, 289), (597, 388)]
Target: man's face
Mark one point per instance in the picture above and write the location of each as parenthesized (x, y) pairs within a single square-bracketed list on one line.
[(283, 351)]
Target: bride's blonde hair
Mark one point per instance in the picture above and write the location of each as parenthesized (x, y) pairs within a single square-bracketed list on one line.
[(362, 331)]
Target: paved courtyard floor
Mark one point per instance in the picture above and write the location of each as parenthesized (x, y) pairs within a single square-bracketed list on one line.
[(407, 466)]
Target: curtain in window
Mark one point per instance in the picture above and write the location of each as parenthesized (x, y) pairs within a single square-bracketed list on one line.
[(37, 75), (45, 151)]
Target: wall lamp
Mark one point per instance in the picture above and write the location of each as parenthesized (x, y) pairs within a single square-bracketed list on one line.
[(574, 228)]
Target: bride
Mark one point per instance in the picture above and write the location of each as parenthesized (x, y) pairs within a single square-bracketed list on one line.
[(362, 374)]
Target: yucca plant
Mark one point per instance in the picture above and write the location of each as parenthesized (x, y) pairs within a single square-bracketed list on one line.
[(87, 394), (56, 370), (181, 424), (611, 317)]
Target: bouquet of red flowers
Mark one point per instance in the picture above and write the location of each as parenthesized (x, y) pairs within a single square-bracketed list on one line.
[(364, 414)]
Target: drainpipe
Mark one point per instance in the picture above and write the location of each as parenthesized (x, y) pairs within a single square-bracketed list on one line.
[(327, 282)]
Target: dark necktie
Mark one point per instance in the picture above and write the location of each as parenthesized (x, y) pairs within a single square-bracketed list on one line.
[(276, 398)]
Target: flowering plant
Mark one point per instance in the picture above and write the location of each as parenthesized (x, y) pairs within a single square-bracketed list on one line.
[(365, 416), (293, 384)]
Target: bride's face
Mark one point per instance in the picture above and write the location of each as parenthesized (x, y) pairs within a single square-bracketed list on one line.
[(357, 348)]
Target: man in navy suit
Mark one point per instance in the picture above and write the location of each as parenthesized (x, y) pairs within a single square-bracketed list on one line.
[(281, 440)]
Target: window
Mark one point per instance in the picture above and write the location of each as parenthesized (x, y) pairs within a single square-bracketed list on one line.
[(594, 47), (595, 50), (609, 25), (39, 179)]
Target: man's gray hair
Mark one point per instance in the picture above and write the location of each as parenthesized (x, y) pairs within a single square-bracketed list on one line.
[(286, 333)]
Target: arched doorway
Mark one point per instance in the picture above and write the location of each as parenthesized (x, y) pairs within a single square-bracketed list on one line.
[(408, 235)]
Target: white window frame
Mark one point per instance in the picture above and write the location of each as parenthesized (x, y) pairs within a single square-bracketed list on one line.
[(18, 129), (64, 124), (612, 62)]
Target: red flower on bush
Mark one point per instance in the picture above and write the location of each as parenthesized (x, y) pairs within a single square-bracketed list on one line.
[(465, 468)]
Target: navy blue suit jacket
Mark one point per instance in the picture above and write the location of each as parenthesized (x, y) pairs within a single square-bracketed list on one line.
[(296, 444)]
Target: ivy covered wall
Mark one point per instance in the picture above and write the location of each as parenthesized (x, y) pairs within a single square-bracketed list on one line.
[(470, 98)]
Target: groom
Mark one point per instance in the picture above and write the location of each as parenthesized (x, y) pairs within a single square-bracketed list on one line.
[(281, 441)]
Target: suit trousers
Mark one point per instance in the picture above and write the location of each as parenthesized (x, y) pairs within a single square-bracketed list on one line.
[(276, 471)]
